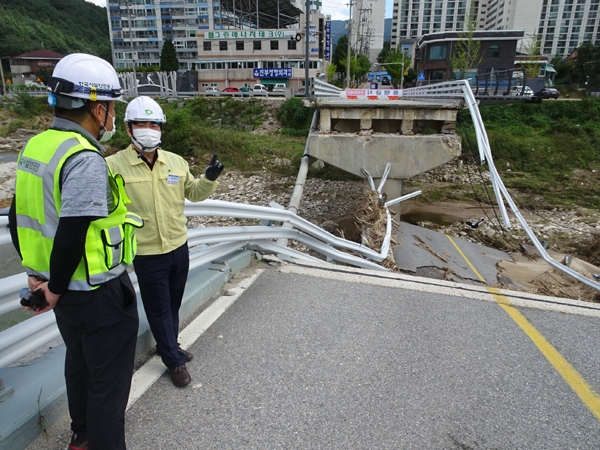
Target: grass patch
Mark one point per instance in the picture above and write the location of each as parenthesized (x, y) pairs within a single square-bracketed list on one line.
[(550, 149)]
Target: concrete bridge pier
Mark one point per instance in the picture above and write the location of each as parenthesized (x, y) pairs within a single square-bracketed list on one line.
[(413, 136)]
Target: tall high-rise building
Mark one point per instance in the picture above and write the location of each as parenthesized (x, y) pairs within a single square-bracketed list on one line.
[(560, 25), (368, 24)]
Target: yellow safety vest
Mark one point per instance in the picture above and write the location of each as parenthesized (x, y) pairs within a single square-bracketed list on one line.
[(110, 241)]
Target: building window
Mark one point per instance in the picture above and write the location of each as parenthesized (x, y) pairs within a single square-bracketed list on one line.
[(257, 45), (274, 45), (239, 45), (207, 46), (437, 52), (292, 44), (222, 45), (493, 51)]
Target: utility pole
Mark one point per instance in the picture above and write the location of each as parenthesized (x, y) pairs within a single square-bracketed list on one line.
[(306, 51), (349, 52)]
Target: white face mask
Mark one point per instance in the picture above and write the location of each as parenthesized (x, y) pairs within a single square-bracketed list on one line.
[(105, 135), (146, 139)]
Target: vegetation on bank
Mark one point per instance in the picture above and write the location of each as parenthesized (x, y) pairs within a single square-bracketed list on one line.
[(548, 151)]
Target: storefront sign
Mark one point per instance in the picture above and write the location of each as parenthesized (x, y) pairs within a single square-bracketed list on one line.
[(249, 34), (328, 39), (285, 72)]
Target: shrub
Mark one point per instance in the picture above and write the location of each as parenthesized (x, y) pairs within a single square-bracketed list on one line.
[(293, 114), (28, 106)]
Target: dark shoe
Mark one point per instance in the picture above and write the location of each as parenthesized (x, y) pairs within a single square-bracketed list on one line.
[(78, 442), (180, 376), (188, 355)]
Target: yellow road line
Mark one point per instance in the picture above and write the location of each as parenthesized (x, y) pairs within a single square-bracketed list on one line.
[(583, 390)]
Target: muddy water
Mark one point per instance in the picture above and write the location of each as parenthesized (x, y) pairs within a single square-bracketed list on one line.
[(8, 157), (416, 216)]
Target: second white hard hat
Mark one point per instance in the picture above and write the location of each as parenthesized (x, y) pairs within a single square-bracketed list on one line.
[(144, 109)]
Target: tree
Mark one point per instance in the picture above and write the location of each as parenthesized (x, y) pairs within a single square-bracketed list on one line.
[(395, 67), (168, 57), (587, 65), (363, 65), (340, 53), (331, 70), (384, 52), (564, 70), (531, 66), (466, 55)]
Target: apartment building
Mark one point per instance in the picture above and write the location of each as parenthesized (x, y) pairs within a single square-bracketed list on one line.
[(222, 40), (561, 25), (413, 19)]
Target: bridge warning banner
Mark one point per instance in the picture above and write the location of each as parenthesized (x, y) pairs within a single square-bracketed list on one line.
[(372, 94)]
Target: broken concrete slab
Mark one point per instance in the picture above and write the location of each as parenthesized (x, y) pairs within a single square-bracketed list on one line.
[(420, 249)]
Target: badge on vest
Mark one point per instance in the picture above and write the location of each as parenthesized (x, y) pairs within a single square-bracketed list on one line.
[(173, 179)]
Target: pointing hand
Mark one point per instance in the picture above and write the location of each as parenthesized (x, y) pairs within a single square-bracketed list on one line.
[(214, 168)]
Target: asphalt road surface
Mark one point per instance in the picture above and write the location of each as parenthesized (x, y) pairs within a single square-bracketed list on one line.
[(310, 357)]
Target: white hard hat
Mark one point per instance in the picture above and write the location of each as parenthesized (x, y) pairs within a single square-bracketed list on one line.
[(83, 77), (144, 109)]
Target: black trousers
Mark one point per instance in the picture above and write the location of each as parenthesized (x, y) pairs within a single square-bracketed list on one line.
[(100, 332), (162, 279)]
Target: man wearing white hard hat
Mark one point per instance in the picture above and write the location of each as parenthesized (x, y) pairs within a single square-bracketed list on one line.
[(157, 182), (75, 236)]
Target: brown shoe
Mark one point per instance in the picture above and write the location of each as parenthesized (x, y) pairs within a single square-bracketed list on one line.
[(180, 376), (188, 355)]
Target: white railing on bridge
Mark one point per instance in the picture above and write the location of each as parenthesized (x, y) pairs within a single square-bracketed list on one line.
[(462, 89)]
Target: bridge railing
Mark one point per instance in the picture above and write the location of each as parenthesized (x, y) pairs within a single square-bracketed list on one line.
[(452, 89)]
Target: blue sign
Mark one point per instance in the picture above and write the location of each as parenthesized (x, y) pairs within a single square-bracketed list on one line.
[(328, 40), (421, 76), (285, 72)]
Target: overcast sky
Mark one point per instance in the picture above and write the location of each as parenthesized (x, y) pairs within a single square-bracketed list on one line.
[(337, 9)]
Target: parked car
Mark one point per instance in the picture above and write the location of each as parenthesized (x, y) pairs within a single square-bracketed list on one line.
[(279, 87), (212, 91), (385, 81), (548, 92), (260, 89), (300, 92), (232, 91), (518, 90)]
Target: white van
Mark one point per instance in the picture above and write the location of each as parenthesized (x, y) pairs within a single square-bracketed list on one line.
[(279, 87), (260, 89)]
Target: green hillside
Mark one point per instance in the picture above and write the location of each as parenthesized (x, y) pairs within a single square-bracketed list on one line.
[(65, 26)]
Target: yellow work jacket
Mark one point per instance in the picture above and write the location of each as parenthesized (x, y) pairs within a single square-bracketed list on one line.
[(158, 196)]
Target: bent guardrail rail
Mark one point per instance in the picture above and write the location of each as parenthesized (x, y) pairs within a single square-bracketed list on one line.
[(462, 89)]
